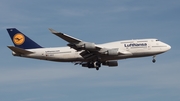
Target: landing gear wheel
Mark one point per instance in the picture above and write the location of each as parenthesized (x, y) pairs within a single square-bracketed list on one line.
[(97, 65), (154, 60), (97, 68), (94, 64)]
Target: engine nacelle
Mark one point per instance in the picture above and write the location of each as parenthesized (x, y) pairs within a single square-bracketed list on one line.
[(110, 63), (112, 52), (86, 45), (89, 46), (85, 65)]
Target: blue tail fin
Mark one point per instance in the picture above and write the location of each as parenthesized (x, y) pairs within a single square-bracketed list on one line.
[(20, 40)]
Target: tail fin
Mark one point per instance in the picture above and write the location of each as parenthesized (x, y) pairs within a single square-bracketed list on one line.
[(20, 40)]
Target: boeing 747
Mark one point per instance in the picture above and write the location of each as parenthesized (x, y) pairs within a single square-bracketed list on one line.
[(86, 54)]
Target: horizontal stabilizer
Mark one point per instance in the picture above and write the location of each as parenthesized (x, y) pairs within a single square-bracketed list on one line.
[(19, 50)]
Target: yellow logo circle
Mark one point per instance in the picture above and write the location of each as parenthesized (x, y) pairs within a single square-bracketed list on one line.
[(18, 39)]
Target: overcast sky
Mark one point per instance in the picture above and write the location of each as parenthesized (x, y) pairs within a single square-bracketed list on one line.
[(96, 21)]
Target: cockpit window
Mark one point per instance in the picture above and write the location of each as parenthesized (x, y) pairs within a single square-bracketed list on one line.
[(157, 40)]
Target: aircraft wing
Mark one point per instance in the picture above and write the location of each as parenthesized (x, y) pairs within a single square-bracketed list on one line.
[(88, 48), (75, 43)]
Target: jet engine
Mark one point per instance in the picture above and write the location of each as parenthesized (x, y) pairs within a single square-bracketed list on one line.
[(86, 45), (112, 52), (109, 51), (110, 63)]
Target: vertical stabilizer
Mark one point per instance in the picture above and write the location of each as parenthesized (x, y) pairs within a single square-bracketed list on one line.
[(20, 40)]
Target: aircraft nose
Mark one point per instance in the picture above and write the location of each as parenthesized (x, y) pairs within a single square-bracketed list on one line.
[(168, 47)]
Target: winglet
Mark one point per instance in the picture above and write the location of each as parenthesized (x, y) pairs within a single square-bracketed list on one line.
[(53, 31), (65, 37)]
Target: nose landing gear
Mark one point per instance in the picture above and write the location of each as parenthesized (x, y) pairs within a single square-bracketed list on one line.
[(154, 60)]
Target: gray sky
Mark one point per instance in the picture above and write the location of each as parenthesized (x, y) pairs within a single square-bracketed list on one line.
[(139, 79)]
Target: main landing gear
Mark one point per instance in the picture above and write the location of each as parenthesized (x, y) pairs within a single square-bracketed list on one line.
[(97, 68), (95, 64), (154, 60)]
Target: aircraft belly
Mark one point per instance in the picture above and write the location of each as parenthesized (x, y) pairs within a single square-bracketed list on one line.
[(144, 54), (105, 58), (67, 57), (134, 55)]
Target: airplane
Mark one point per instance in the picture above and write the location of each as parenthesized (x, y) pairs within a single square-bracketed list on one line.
[(86, 54)]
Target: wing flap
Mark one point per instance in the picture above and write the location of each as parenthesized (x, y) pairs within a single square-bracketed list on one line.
[(88, 55), (19, 50)]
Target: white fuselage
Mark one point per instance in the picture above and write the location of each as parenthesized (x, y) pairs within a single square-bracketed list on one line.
[(133, 48)]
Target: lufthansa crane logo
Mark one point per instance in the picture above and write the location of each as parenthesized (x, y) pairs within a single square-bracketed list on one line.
[(18, 39)]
